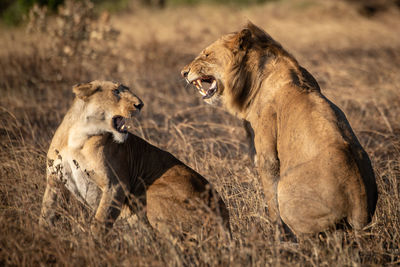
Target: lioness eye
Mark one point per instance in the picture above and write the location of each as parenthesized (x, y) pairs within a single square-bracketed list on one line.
[(116, 93)]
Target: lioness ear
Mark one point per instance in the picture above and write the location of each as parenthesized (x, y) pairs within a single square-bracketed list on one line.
[(244, 39), (84, 90)]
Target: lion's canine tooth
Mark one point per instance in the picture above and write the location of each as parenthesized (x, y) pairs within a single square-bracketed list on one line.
[(214, 84), (123, 127)]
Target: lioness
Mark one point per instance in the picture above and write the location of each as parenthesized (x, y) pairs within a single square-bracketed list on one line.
[(105, 167), (313, 170)]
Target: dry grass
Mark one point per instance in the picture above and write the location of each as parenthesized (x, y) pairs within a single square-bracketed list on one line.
[(355, 59)]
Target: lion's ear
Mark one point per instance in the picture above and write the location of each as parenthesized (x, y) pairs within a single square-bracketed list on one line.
[(244, 39), (84, 90)]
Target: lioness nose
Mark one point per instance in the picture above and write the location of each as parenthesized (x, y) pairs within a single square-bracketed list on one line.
[(139, 106), (185, 72)]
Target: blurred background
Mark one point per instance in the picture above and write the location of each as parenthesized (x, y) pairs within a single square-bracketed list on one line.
[(351, 47), (14, 11)]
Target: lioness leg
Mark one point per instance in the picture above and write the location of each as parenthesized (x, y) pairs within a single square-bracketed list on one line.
[(109, 209), (170, 207), (55, 175), (49, 203), (180, 202), (175, 216)]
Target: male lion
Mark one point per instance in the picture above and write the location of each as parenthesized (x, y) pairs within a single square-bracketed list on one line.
[(105, 167), (313, 170)]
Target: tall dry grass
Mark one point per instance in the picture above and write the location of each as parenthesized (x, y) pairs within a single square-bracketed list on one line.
[(355, 59)]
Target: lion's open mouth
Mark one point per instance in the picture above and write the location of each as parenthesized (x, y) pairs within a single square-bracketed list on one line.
[(119, 124), (207, 86)]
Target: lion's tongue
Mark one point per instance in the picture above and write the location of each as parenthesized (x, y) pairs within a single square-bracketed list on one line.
[(206, 86)]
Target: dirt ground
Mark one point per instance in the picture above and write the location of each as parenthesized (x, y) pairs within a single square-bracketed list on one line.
[(355, 59)]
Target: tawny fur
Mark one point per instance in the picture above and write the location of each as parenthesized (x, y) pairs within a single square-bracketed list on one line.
[(107, 170), (313, 169)]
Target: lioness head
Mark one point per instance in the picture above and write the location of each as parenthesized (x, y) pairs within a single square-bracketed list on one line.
[(106, 107), (230, 70)]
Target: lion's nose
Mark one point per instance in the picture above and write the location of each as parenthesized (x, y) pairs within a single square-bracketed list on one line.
[(185, 72), (139, 106)]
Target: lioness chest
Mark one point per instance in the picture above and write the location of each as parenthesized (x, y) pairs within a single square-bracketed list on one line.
[(79, 175)]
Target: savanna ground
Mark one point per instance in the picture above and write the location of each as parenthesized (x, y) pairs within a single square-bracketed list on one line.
[(355, 59)]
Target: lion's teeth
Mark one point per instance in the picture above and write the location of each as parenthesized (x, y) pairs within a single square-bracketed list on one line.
[(202, 93), (123, 127), (214, 84), (128, 127), (199, 83)]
